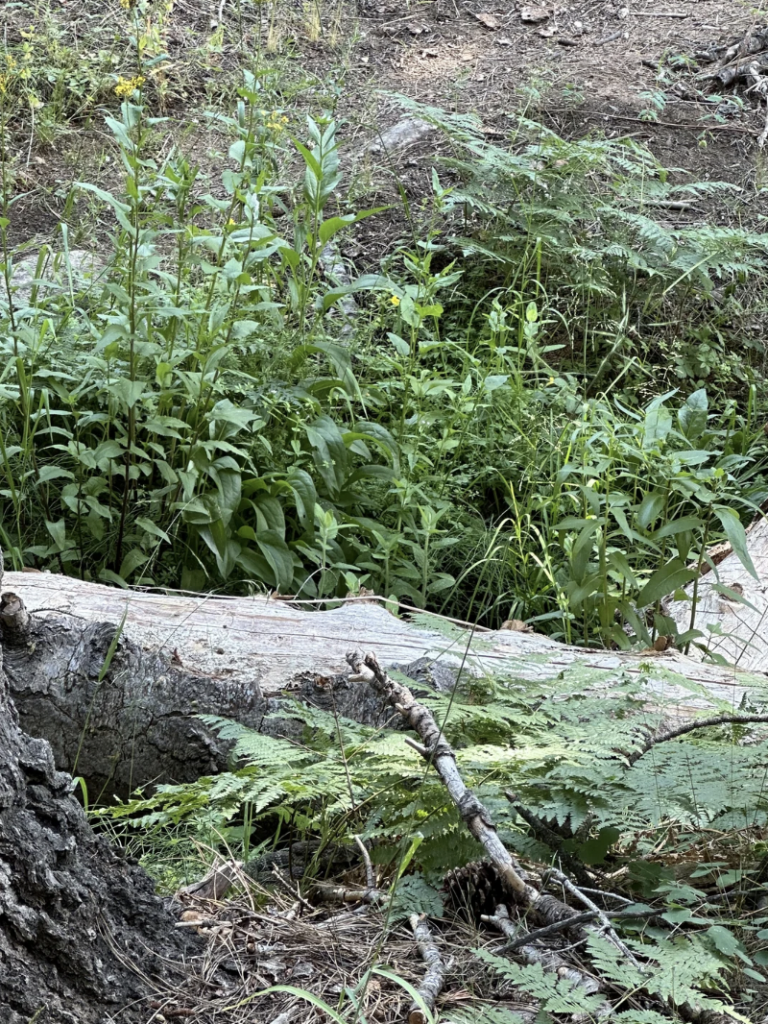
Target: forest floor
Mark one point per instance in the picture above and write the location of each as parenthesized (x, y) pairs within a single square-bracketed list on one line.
[(618, 67), (615, 67)]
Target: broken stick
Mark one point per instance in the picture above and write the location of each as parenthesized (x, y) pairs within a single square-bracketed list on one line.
[(432, 982)]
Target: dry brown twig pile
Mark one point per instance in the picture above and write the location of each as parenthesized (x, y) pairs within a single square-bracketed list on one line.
[(742, 64)]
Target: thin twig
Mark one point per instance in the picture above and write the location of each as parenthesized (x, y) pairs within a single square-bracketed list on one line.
[(289, 888), (551, 929), (698, 723), (606, 928), (550, 960), (575, 921), (370, 877)]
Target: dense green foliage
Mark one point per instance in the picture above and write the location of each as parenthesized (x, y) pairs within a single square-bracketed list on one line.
[(486, 436), (543, 403)]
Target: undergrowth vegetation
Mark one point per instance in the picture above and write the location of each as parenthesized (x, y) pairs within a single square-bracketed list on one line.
[(485, 430), (544, 403), (674, 829)]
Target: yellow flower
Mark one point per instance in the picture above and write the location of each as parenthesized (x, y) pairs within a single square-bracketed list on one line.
[(127, 86), (127, 5), (395, 300), (551, 380)]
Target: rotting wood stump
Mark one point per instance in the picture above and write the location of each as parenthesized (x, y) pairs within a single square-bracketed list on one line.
[(81, 932)]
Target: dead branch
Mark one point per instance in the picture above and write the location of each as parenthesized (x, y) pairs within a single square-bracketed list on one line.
[(548, 958), (432, 982), (699, 723), (439, 753), (347, 894), (14, 620)]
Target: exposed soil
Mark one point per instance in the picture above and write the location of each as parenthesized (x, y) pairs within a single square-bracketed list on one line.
[(612, 66)]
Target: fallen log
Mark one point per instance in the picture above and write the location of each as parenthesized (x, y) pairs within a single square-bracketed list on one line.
[(115, 679), (731, 604)]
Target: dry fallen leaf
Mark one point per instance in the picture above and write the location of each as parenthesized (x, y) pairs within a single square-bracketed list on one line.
[(489, 20), (506, 41), (517, 626), (546, 33), (533, 15)]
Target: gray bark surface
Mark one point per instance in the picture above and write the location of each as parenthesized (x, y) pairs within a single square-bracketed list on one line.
[(73, 915), (135, 722), (742, 629)]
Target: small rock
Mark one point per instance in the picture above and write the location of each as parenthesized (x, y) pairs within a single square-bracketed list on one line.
[(533, 15), (85, 267), (489, 20)]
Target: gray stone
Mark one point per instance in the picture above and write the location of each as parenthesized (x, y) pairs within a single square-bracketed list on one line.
[(53, 273)]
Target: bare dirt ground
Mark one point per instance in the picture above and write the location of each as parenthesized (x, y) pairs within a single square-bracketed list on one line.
[(619, 67)]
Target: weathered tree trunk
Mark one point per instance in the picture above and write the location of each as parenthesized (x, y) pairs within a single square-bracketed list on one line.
[(73, 915), (129, 717), (741, 635)]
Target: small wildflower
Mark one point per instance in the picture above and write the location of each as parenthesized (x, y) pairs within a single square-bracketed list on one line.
[(551, 381), (127, 86), (127, 5), (395, 300), (275, 122)]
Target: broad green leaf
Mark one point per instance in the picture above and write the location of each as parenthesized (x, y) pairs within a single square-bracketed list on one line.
[(692, 416), (278, 555), (657, 425), (665, 581), (48, 473), (736, 535), (618, 561), (650, 509), (131, 562), (58, 531), (128, 391), (152, 528), (678, 526)]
